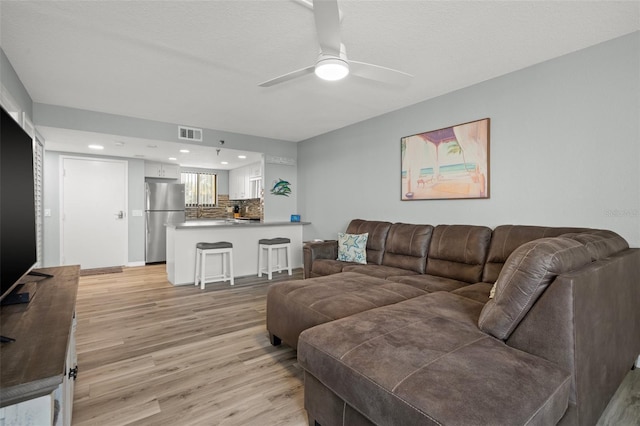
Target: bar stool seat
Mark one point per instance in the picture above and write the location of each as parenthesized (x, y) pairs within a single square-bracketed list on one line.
[(270, 244), (223, 248)]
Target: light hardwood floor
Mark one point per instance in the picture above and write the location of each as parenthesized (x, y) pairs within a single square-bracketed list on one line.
[(150, 353)]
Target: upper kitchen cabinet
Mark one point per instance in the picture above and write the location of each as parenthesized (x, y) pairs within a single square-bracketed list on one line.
[(161, 170), (255, 169), (236, 188), (245, 182)]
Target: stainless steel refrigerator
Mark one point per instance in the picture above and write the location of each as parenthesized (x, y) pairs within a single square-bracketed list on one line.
[(164, 203)]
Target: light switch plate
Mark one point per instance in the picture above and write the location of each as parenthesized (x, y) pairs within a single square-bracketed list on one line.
[(47, 212)]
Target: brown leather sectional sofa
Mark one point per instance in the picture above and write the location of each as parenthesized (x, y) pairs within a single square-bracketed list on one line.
[(413, 338)]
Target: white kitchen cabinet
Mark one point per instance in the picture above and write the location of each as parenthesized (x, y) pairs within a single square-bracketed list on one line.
[(255, 170), (161, 170), (236, 184), (243, 182), (255, 187)]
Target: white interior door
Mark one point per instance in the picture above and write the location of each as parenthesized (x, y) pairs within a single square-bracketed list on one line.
[(94, 205)]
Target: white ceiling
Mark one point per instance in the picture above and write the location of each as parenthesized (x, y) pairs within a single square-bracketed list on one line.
[(199, 63), (199, 156)]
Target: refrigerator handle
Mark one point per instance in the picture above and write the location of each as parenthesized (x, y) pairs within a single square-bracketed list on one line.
[(146, 198)]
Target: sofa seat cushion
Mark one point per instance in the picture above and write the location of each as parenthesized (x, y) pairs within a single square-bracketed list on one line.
[(478, 292), (424, 361), (321, 267), (294, 306), (430, 283), (378, 271)]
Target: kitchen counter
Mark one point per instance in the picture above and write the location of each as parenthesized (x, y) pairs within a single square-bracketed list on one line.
[(216, 223), (244, 235)]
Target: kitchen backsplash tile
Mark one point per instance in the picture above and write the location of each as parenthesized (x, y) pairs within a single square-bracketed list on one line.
[(248, 208)]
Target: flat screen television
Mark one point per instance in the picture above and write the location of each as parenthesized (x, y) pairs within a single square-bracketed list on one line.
[(18, 251)]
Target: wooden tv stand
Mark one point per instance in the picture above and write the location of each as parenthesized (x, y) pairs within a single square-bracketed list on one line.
[(39, 368)]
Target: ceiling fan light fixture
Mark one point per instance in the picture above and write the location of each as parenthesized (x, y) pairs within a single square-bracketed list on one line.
[(332, 69)]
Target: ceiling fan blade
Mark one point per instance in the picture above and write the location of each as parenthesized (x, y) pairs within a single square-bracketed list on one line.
[(289, 76), (379, 73), (327, 18)]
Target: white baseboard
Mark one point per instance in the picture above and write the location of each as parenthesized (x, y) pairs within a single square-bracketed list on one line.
[(132, 264), (638, 362)]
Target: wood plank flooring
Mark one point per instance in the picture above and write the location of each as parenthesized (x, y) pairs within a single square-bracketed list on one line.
[(624, 407), (150, 353)]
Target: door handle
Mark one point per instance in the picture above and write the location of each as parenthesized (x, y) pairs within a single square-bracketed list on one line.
[(119, 215)]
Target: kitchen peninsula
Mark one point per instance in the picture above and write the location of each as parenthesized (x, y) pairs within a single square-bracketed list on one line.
[(183, 237)]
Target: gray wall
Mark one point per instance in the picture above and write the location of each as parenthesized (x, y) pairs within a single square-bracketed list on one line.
[(136, 231), (52, 203), (276, 208), (564, 150), (91, 121), (14, 86), (280, 207), (77, 119)]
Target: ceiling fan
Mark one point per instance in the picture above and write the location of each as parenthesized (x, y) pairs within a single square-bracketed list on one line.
[(332, 64)]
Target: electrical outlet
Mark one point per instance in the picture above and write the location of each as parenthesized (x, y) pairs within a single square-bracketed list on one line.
[(136, 213)]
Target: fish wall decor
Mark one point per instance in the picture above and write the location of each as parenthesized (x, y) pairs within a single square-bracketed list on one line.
[(281, 187)]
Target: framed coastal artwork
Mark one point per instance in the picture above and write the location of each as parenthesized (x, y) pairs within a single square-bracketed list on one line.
[(449, 163)]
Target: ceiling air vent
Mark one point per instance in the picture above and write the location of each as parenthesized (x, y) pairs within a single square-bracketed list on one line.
[(189, 133)]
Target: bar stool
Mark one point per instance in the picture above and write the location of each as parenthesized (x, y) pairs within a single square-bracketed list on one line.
[(269, 245), (202, 250)]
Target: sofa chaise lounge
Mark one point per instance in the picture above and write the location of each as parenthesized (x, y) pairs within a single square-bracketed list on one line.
[(431, 347)]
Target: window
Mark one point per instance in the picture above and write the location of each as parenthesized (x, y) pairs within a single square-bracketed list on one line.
[(200, 189)]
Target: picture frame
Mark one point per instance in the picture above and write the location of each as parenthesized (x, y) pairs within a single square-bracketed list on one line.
[(451, 163)]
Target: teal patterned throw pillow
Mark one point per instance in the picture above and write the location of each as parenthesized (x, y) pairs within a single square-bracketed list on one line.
[(352, 247)]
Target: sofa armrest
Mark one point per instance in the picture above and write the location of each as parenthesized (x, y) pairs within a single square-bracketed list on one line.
[(313, 250)]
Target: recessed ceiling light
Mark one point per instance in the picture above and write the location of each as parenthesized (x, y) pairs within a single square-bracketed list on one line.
[(184, 151), (172, 158), (119, 144), (152, 146), (224, 162), (242, 156), (96, 147)]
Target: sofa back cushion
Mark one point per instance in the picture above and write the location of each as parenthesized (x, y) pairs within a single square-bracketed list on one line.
[(407, 246), (526, 274), (458, 252), (600, 243), (507, 238), (377, 237)]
